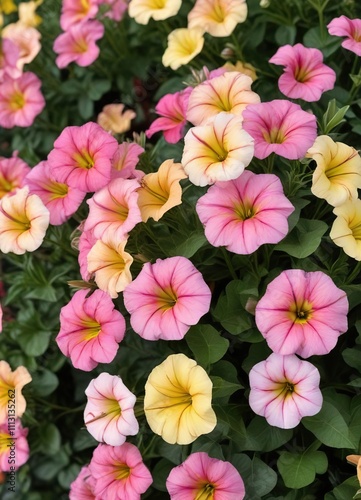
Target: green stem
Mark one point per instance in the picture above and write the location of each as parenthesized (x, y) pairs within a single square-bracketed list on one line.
[(354, 273), (229, 263)]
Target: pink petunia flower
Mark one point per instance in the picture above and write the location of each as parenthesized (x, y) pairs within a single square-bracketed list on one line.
[(349, 28), (166, 299), (82, 488), (201, 476), (109, 412), (119, 472), (114, 210), (78, 44), (14, 448), (82, 156), (125, 159), (305, 76), (12, 173), (27, 40), (90, 329), (280, 127), (302, 313), (172, 109), (76, 11), (86, 241), (117, 8), (245, 213), (21, 100), (61, 200), (9, 55), (284, 389)]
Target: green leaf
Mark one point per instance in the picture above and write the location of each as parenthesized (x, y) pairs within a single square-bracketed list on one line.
[(44, 382), (299, 469), (50, 439), (304, 239), (160, 473), (334, 116), (299, 204), (352, 357), (47, 468), (186, 247), (264, 437), (68, 475), (222, 388), (330, 428), (232, 416), (347, 489), (83, 440), (97, 88), (285, 35), (85, 106), (323, 41), (259, 479), (206, 343)]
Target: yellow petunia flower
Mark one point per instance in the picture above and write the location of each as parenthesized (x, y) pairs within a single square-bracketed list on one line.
[(143, 10), (183, 46), (217, 17), (27, 14), (346, 229)]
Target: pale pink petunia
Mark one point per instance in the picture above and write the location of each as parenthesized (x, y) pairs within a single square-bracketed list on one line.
[(61, 200), (245, 213), (82, 488), (86, 241), (172, 121), (114, 210), (119, 472), (21, 100), (201, 476), (90, 329), (82, 157), (284, 389), (116, 8), (9, 55), (27, 40), (78, 44), (14, 448), (125, 159), (109, 412), (349, 29), (305, 76), (167, 298), (76, 11), (280, 127), (302, 313), (23, 222), (12, 173)]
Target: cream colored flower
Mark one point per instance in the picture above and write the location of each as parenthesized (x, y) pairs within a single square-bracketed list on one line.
[(217, 17), (346, 229), (27, 40), (177, 402), (338, 173), (242, 67), (183, 46), (143, 10), (161, 190), (114, 119), (12, 402), (27, 13)]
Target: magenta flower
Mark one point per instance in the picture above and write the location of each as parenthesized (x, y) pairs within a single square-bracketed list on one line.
[(12, 173), (18, 454), (203, 477), (61, 200), (284, 389), (166, 299), (109, 414), (82, 488), (119, 472), (305, 76), (90, 329), (82, 156), (245, 213), (172, 109), (302, 313), (349, 28), (114, 210), (21, 100), (280, 127), (78, 45)]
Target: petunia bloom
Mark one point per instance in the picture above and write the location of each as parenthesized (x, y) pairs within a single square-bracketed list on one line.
[(302, 313), (338, 173), (305, 76), (24, 220), (242, 67), (125, 159), (280, 127), (12, 173), (27, 13), (78, 44), (346, 229), (77, 11), (109, 412), (9, 55), (201, 476), (114, 119), (284, 389), (166, 298), (14, 448), (11, 384), (230, 92), (144, 10), (184, 44), (219, 151), (82, 488), (21, 100), (90, 329), (119, 472), (245, 213), (160, 191), (349, 28), (27, 40), (85, 242), (82, 156), (177, 402), (172, 121), (116, 8), (217, 17), (61, 200)]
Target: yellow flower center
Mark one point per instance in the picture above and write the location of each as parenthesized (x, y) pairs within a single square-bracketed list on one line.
[(160, 193), (122, 471), (5, 186), (4, 392), (217, 13), (301, 313), (302, 74), (274, 136), (85, 6), (244, 211), (84, 160), (187, 44), (91, 329), (167, 298), (17, 101), (355, 226), (57, 189), (206, 492), (356, 35), (5, 439)]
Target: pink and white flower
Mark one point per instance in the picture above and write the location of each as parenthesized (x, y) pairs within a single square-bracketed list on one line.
[(12, 173), (15, 441)]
